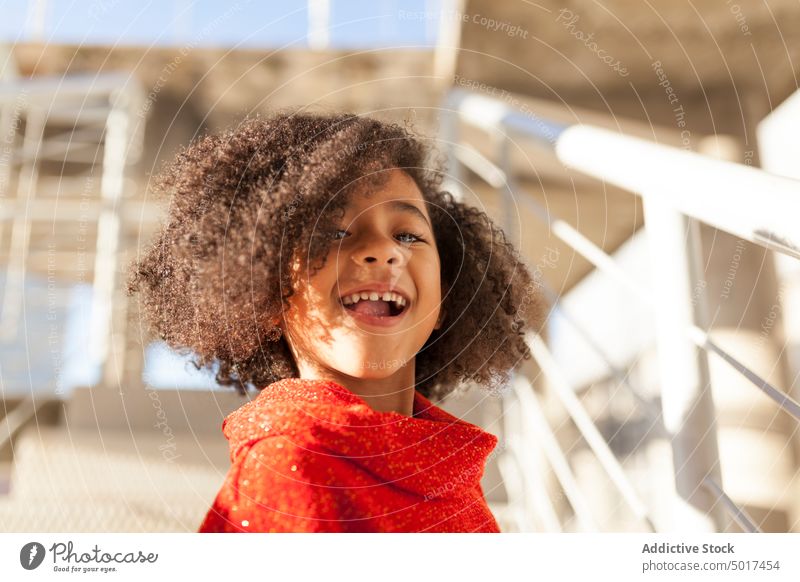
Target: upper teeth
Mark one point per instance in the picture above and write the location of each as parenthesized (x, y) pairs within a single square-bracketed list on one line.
[(374, 296)]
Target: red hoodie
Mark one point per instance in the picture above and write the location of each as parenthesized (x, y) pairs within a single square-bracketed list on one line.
[(311, 456)]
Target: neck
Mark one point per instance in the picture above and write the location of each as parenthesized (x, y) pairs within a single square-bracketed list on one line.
[(393, 393)]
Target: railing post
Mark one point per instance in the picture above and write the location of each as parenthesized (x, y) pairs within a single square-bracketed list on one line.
[(688, 407), (449, 132), (107, 340)]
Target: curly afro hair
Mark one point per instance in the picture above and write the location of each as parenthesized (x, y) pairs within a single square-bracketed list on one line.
[(215, 281)]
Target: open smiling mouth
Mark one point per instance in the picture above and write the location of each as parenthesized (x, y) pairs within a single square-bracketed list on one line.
[(374, 307)]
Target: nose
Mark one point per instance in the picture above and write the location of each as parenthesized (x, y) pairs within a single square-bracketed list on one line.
[(379, 250)]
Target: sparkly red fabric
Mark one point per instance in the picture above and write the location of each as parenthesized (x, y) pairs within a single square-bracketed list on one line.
[(311, 456)]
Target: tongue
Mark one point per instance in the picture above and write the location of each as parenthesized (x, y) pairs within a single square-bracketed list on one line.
[(380, 308)]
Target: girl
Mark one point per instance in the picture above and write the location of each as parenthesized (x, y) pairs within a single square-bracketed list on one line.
[(315, 257)]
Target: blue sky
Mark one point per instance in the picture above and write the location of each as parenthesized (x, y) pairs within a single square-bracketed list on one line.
[(48, 353), (245, 23)]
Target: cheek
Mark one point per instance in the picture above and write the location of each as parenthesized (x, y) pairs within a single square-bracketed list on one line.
[(311, 292), (433, 276), (429, 287)]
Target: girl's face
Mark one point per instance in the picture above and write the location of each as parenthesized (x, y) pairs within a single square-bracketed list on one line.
[(384, 250)]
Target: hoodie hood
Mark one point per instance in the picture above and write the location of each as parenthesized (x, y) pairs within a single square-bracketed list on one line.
[(432, 453)]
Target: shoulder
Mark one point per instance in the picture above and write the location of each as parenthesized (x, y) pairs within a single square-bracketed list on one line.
[(278, 485), (283, 471), (282, 457)]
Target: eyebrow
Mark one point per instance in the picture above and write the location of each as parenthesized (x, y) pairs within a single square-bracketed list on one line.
[(409, 208)]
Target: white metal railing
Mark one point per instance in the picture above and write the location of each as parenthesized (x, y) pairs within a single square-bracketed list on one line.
[(689, 181), (16, 417), (494, 176), (102, 117), (497, 178), (678, 188)]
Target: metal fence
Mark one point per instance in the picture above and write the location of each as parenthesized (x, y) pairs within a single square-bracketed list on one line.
[(92, 125), (678, 188)]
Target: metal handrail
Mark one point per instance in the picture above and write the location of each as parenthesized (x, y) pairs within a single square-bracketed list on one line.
[(738, 514), (53, 88), (494, 176), (530, 406), (588, 429), (786, 402), (119, 141), (686, 180), (513, 477), (677, 184), (618, 374), (17, 417)]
